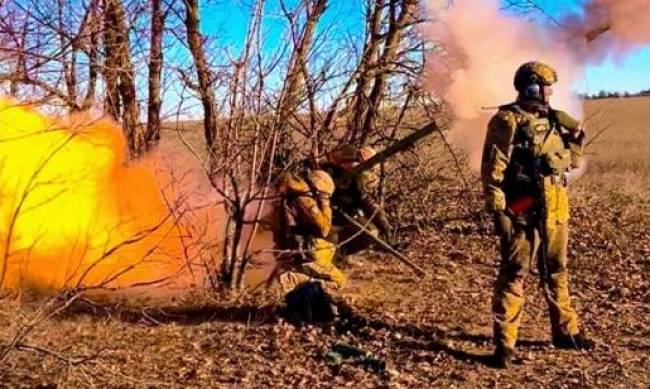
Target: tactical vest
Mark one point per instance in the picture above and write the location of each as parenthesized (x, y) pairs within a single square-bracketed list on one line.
[(538, 149)]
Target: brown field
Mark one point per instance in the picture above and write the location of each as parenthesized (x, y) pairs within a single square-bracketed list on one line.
[(621, 152), (432, 333)]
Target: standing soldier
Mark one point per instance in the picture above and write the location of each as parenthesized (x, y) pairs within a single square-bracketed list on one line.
[(355, 198), (528, 150)]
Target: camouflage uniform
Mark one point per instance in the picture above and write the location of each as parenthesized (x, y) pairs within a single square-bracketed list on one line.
[(306, 221), (355, 198), (527, 149)]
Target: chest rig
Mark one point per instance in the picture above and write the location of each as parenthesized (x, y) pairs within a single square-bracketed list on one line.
[(531, 136), (537, 148)]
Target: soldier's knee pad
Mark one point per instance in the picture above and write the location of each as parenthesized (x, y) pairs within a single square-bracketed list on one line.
[(325, 272)]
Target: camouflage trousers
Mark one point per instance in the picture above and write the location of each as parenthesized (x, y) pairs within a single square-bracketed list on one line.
[(517, 253), (314, 263)]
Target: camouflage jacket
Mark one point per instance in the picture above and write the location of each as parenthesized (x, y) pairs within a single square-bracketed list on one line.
[(352, 196), (305, 213), (519, 145)]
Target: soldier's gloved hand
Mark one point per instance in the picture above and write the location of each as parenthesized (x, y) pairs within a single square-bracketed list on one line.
[(503, 224)]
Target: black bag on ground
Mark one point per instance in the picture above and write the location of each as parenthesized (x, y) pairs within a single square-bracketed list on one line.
[(309, 303)]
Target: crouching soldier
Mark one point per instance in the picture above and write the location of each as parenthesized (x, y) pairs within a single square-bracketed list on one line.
[(306, 270)]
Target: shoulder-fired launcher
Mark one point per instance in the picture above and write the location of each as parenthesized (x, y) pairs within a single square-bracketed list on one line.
[(393, 149)]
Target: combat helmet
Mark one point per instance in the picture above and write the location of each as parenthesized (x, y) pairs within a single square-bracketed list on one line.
[(344, 154), (366, 152), (534, 72), (350, 153)]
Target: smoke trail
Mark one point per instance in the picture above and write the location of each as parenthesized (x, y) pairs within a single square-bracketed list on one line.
[(611, 27), (480, 47)]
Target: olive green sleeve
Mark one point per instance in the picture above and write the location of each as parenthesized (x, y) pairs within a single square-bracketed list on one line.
[(574, 139), (366, 184), (496, 156)]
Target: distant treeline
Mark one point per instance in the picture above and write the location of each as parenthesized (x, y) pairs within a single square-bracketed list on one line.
[(615, 95)]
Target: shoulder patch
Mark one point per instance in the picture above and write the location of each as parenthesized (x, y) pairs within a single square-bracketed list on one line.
[(519, 116), (506, 117)]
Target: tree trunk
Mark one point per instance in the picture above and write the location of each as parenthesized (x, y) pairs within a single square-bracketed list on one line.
[(296, 78), (152, 134), (367, 65), (111, 64), (296, 74), (389, 55), (116, 16), (195, 43), (95, 27), (69, 60), (20, 69)]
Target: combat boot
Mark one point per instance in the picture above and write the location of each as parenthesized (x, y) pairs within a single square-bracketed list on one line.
[(575, 342), (502, 357)]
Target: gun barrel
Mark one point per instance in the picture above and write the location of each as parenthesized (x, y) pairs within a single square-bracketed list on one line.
[(393, 149)]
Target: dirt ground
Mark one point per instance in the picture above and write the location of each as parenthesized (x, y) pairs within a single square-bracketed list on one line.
[(432, 332)]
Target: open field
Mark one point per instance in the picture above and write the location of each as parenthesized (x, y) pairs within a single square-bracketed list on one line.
[(432, 333)]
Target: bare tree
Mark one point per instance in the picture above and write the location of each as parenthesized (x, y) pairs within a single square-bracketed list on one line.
[(386, 27), (20, 67), (44, 45), (155, 71), (297, 71), (92, 48), (120, 74), (204, 75), (367, 61), (401, 15)]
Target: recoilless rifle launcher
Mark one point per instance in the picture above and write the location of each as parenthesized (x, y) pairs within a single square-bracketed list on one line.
[(380, 157), (391, 150)]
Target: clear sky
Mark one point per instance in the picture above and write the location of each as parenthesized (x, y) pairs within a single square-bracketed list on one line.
[(228, 19)]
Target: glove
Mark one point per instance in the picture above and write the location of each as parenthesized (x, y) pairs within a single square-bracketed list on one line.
[(502, 224)]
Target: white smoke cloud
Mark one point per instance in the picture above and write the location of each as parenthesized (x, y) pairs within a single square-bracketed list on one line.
[(480, 47)]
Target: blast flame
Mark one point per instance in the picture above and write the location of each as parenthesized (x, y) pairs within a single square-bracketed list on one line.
[(72, 212)]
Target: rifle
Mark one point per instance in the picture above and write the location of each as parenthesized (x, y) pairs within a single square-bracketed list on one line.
[(542, 217)]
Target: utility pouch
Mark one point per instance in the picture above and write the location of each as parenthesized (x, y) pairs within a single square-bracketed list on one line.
[(559, 162)]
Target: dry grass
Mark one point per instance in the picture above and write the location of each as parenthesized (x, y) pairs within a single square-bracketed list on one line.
[(620, 157)]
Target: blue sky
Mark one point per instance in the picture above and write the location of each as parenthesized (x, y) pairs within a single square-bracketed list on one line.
[(228, 19)]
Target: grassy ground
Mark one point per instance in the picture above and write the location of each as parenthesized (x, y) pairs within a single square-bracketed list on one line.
[(432, 332)]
